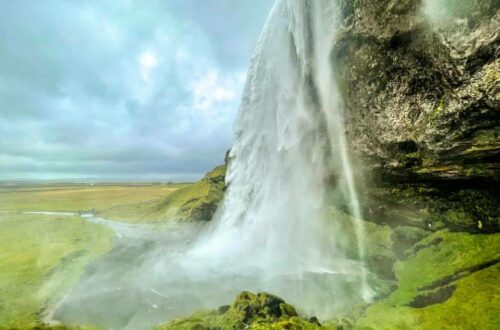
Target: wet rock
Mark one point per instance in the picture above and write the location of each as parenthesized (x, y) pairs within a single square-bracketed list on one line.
[(422, 94)]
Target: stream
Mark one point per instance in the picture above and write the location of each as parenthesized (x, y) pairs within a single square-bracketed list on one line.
[(120, 229)]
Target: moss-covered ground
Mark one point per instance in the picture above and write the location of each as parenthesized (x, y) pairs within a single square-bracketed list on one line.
[(447, 281), (41, 257)]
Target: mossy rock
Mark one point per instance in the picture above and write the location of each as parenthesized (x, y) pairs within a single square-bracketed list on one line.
[(249, 311), (436, 206)]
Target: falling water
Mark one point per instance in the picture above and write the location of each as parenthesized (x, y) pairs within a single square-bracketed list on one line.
[(289, 139), (270, 233)]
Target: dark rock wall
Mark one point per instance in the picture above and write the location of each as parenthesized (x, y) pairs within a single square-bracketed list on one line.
[(422, 93), (421, 86)]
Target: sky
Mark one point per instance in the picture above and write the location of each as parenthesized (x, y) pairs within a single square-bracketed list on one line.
[(122, 90)]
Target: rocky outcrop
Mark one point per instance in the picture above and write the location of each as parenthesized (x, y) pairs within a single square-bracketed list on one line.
[(248, 311), (422, 92), (421, 84)]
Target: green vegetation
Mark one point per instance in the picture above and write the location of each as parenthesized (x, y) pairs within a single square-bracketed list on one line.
[(41, 257), (75, 198), (379, 254), (249, 311), (448, 281), (438, 109), (197, 201), (484, 141), (445, 280), (128, 203)]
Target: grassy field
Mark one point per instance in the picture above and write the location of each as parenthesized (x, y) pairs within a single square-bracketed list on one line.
[(79, 197), (135, 203), (41, 257), (194, 202)]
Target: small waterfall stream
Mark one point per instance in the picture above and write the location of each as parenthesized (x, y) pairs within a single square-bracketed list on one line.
[(270, 234)]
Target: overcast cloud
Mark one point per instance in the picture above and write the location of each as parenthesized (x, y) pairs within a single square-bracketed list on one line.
[(124, 89)]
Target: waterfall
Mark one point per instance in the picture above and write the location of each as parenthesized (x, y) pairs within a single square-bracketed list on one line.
[(289, 140), (273, 206), (270, 234)]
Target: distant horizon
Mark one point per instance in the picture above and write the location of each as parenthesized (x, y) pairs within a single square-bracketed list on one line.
[(187, 179)]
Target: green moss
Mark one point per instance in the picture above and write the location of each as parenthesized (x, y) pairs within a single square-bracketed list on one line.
[(465, 263), (405, 237), (438, 109), (454, 253), (484, 141), (378, 237), (248, 311), (473, 305), (458, 171), (41, 257), (293, 323), (199, 201)]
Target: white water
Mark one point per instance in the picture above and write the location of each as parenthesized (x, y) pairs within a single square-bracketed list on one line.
[(271, 233), (289, 140)]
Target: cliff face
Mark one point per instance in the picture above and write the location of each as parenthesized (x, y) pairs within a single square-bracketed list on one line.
[(421, 83), (421, 86)]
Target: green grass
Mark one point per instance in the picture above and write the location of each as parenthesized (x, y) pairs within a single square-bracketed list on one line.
[(196, 201), (139, 203), (41, 257), (79, 197)]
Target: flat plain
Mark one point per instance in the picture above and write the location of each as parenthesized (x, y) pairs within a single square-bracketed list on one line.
[(43, 255)]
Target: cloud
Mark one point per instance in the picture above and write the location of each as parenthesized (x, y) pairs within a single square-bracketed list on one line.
[(121, 89), (148, 61), (211, 90)]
